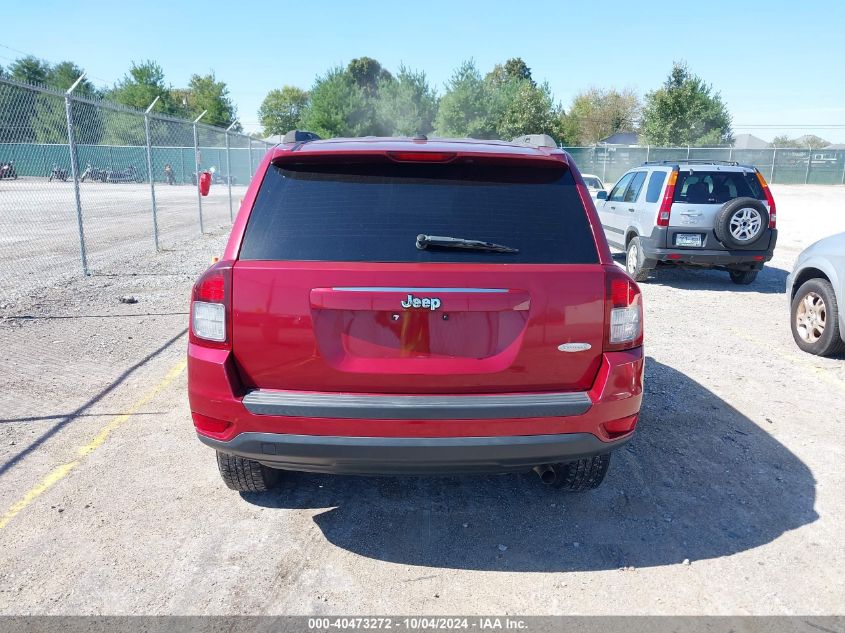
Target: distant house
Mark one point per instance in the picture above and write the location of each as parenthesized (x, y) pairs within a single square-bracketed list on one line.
[(622, 138), (749, 141)]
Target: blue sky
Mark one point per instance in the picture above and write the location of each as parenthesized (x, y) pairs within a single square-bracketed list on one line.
[(776, 64)]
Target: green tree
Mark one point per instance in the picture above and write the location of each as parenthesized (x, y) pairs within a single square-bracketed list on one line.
[(685, 111), (513, 69), (809, 141), (597, 113), (406, 105), (141, 85), (467, 108), (30, 70), (206, 93), (526, 108), (281, 110), (368, 74), (338, 107)]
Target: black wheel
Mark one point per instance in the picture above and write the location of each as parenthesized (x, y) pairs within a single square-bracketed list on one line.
[(635, 260), (815, 319), (741, 222), (743, 277), (583, 474), (245, 475)]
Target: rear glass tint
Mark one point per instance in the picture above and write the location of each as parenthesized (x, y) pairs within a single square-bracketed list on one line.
[(716, 187), (373, 212)]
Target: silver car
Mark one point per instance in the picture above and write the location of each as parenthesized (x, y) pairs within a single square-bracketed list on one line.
[(691, 213), (816, 289)]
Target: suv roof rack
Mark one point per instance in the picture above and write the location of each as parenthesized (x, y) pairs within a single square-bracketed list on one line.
[(536, 140), (299, 136), (693, 161)]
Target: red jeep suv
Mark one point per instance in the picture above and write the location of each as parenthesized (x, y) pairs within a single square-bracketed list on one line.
[(412, 306)]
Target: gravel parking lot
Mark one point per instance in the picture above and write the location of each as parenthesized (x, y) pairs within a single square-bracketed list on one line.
[(39, 233), (729, 500)]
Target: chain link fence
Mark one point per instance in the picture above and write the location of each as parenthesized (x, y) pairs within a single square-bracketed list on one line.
[(93, 188), (785, 166)]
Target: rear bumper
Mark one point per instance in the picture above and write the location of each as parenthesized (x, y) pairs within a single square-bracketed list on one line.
[(653, 250), (390, 433), (411, 455)]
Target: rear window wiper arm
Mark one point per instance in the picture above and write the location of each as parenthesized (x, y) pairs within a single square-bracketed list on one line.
[(424, 241)]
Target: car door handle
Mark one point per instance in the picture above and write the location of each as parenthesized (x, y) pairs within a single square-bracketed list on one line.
[(631, 209), (612, 207)]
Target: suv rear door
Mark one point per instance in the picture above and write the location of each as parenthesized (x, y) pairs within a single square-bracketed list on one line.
[(331, 292), (701, 193)]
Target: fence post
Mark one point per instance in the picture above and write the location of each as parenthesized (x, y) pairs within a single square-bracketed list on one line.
[(250, 156), (688, 150), (197, 167), (647, 152), (809, 160), (731, 154), (229, 171), (843, 169), (604, 166), (74, 166), (774, 158), (150, 169)]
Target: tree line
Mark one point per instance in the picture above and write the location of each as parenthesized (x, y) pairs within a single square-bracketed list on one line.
[(364, 98), (38, 118)]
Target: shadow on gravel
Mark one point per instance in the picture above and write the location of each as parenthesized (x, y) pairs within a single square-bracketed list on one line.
[(698, 481), (66, 419), (771, 280)]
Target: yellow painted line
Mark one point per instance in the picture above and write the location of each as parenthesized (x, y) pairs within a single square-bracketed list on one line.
[(63, 470), (823, 373)]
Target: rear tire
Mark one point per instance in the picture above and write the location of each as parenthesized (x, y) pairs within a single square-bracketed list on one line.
[(635, 260), (583, 474), (246, 475), (814, 319), (743, 277)]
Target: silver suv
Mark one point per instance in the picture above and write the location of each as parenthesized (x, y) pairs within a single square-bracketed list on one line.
[(708, 214)]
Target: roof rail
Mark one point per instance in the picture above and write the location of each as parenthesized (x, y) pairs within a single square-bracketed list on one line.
[(299, 136), (693, 161), (536, 140)]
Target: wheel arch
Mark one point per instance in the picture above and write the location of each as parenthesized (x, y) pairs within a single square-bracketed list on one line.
[(815, 270), (630, 234)]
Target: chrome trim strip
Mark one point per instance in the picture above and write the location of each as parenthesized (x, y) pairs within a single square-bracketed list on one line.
[(413, 290), (434, 407)]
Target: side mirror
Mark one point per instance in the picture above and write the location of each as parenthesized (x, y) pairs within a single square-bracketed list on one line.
[(205, 183), (601, 195)]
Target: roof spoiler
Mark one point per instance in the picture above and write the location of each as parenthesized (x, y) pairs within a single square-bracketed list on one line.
[(536, 140), (299, 136)]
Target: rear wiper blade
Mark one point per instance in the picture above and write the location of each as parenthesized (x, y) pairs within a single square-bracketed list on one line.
[(424, 241)]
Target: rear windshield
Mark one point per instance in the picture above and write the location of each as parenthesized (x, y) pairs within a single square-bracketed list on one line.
[(592, 183), (716, 187), (374, 212)]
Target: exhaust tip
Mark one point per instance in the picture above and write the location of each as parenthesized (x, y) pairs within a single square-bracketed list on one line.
[(547, 473)]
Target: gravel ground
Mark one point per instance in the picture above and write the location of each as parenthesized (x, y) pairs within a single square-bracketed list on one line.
[(727, 501)]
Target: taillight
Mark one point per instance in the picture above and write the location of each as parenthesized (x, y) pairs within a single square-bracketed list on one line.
[(773, 213), (211, 307), (668, 197), (623, 312)]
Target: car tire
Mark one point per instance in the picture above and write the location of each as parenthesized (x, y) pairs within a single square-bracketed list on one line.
[(583, 474), (635, 260), (814, 319), (246, 475), (741, 222), (743, 277)]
